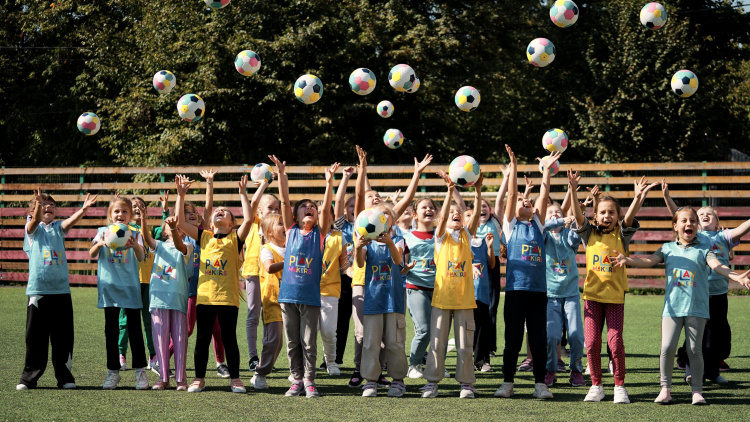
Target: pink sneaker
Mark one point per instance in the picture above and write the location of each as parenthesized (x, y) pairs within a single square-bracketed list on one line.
[(549, 379), (577, 380), (295, 390), (526, 366)]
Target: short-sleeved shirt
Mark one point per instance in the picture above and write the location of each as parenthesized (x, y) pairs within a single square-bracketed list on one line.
[(218, 282), (168, 288), (687, 277), (525, 265), (117, 279), (422, 250), (48, 265), (560, 259), (721, 243)]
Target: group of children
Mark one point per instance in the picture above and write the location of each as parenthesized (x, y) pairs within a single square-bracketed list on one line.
[(305, 270)]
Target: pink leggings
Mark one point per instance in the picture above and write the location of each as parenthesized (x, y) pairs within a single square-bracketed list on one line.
[(218, 344), (594, 315), (169, 329)]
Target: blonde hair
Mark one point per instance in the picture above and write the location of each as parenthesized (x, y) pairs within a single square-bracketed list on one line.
[(267, 223), (388, 209), (713, 211), (266, 198), (116, 201)]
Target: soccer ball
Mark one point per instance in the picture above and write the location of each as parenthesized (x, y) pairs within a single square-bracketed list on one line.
[(464, 171), (308, 89), (684, 83), (540, 52), (414, 87), (260, 172), (402, 77), (89, 123), (555, 140), (362, 81), (653, 16), (385, 109), (217, 4), (563, 13), (164, 81), (467, 98), (191, 107), (247, 62), (371, 223), (116, 236), (553, 170), (393, 138)]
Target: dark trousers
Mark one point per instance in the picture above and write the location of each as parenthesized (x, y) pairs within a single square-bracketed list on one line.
[(530, 308), (205, 317), (345, 316), (483, 324), (717, 337), (112, 335), (494, 274), (49, 320)]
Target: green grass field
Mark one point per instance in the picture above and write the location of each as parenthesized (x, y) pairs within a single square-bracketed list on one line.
[(89, 402)]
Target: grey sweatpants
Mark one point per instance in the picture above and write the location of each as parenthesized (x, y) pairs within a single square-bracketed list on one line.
[(390, 329), (670, 336), (301, 330), (358, 314), (273, 340)]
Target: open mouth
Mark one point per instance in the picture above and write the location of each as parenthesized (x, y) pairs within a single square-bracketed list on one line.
[(688, 232), (308, 214)]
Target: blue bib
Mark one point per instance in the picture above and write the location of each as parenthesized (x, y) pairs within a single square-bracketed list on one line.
[(718, 285), (303, 267), (525, 266), (195, 262), (118, 284), (169, 279), (48, 266), (422, 251), (560, 260), (687, 280), (384, 290), (481, 283), (347, 231)]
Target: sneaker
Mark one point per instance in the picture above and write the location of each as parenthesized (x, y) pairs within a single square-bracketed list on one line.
[(576, 379), (723, 366), (505, 390), (259, 382), (446, 374), (153, 365), (485, 367), (549, 379), (688, 375), (311, 392), (397, 389), (182, 386), (698, 399), (680, 364), (237, 386), (430, 390), (383, 381), (356, 380), (451, 345), (197, 386), (561, 366), (664, 397), (254, 361), (113, 378), (22, 387), (160, 385), (621, 395), (611, 368), (370, 389), (123, 363), (415, 372), (467, 391), (295, 390), (541, 391), (222, 370), (333, 370), (324, 365), (171, 374), (291, 378), (141, 382), (596, 393), (721, 381), (587, 371), (68, 386), (526, 366)]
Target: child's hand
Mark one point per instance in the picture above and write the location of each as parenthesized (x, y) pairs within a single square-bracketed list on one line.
[(505, 170), (362, 154), (182, 183), (511, 155), (171, 222), (130, 243), (361, 242), (38, 196), (595, 192), (243, 184), (744, 280), (551, 160), (529, 186), (141, 211), (165, 201), (384, 238), (640, 187), (394, 196), (475, 271), (620, 259), (89, 201), (280, 165), (569, 220), (664, 188), (448, 182), (209, 175), (408, 267), (573, 179), (348, 172), (421, 165), (489, 239), (478, 183), (331, 171)]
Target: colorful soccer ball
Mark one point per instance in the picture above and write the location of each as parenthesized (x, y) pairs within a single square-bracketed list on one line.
[(402, 77), (89, 123), (464, 171), (385, 109), (553, 170), (563, 13), (116, 236), (371, 223), (217, 4), (393, 138), (467, 98), (362, 81), (414, 86), (260, 172), (308, 89), (247, 62), (191, 107), (684, 83), (540, 52), (653, 16), (164, 81), (555, 140)]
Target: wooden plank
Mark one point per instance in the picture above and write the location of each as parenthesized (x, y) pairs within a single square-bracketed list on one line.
[(154, 198), (21, 255), (74, 278), (72, 234), (73, 266)]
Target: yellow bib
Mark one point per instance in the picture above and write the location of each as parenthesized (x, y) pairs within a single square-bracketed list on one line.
[(251, 266), (454, 279), (605, 283), (145, 267), (269, 290), (330, 281), (358, 275), (218, 280)]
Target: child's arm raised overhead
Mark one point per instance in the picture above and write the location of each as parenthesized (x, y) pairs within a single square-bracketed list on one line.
[(499, 209), (178, 243), (540, 206), (71, 221), (566, 201), (247, 211), (671, 206), (255, 201), (510, 206), (148, 240), (182, 183), (459, 200), (36, 215), (572, 189), (640, 189), (339, 209), (740, 231), (359, 189), (474, 222), (419, 167), (324, 216), (209, 176), (445, 209), (647, 262), (286, 207)]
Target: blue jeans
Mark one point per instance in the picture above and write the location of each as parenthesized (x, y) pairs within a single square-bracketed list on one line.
[(564, 310), (419, 303)]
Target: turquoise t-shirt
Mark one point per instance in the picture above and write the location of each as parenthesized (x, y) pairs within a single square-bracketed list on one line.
[(560, 260), (491, 226), (384, 290), (170, 275), (720, 246), (481, 283), (48, 266), (422, 251), (117, 279), (687, 279)]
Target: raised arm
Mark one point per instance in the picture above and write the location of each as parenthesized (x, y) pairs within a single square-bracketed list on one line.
[(445, 209), (510, 206), (671, 206), (148, 240), (324, 216), (490, 239), (36, 215), (340, 207), (459, 200), (566, 201), (740, 231), (359, 189), (209, 176), (419, 167), (71, 221), (286, 207), (255, 201), (474, 222), (727, 272), (647, 262), (182, 183), (499, 208), (573, 188), (176, 238), (640, 188), (540, 206), (247, 210)]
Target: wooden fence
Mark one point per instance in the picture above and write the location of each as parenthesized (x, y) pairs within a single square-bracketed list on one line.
[(725, 185)]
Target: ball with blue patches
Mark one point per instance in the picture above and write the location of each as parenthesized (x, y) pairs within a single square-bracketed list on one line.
[(555, 140), (385, 109), (247, 62), (464, 171), (191, 107), (371, 223), (540, 52), (217, 4), (308, 89), (553, 170), (362, 81), (260, 172), (563, 13), (89, 123), (164, 81), (402, 77), (653, 16), (415, 86), (116, 236), (467, 98), (684, 83), (393, 138)]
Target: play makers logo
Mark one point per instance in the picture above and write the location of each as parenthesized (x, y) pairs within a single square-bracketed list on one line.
[(300, 264), (215, 267), (380, 273), (683, 278), (116, 257), (456, 269), (424, 265), (718, 250), (561, 267), (602, 264), (53, 257), (531, 253), (164, 272)]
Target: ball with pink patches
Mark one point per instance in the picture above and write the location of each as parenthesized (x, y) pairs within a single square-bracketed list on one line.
[(89, 123)]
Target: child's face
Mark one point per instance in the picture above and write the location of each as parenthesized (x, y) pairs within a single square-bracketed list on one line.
[(686, 226), (268, 208), (222, 218), (137, 210), (607, 215), (486, 213), (406, 217), (554, 211), (120, 213), (350, 209), (372, 198), (425, 212), (455, 219), (524, 211), (191, 216), (278, 233), (49, 211), (707, 219), (307, 215)]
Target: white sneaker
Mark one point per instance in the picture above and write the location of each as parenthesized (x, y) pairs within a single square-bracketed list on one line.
[(451, 345), (123, 363), (467, 391), (446, 374), (333, 370), (68, 385), (611, 368), (141, 382), (370, 389), (113, 378), (596, 393), (621, 395), (430, 390), (291, 378), (587, 371), (541, 391), (259, 382), (505, 390), (22, 387), (415, 372)]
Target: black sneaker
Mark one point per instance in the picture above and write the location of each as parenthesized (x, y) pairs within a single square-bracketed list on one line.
[(222, 370), (323, 365), (356, 380), (723, 366), (383, 381), (253, 363)]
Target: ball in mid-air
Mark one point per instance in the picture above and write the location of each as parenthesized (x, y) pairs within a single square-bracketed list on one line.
[(563, 13), (653, 16), (414, 86), (464, 171), (362, 81), (164, 81), (260, 172), (308, 89), (385, 109), (540, 52), (371, 223), (117, 235), (89, 123), (467, 98), (217, 4), (247, 62), (684, 83), (553, 170), (555, 140), (402, 77), (191, 107), (393, 138)]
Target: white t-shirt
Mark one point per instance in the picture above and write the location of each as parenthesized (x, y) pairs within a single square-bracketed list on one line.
[(266, 255), (456, 234), (508, 226)]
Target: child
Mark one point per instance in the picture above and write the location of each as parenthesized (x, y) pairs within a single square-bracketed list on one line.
[(299, 292), (686, 300), (454, 295), (605, 285), (383, 311), (344, 222), (483, 262), (406, 220), (218, 283), (168, 302), (525, 285), (49, 313), (119, 288), (334, 259), (272, 264)]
